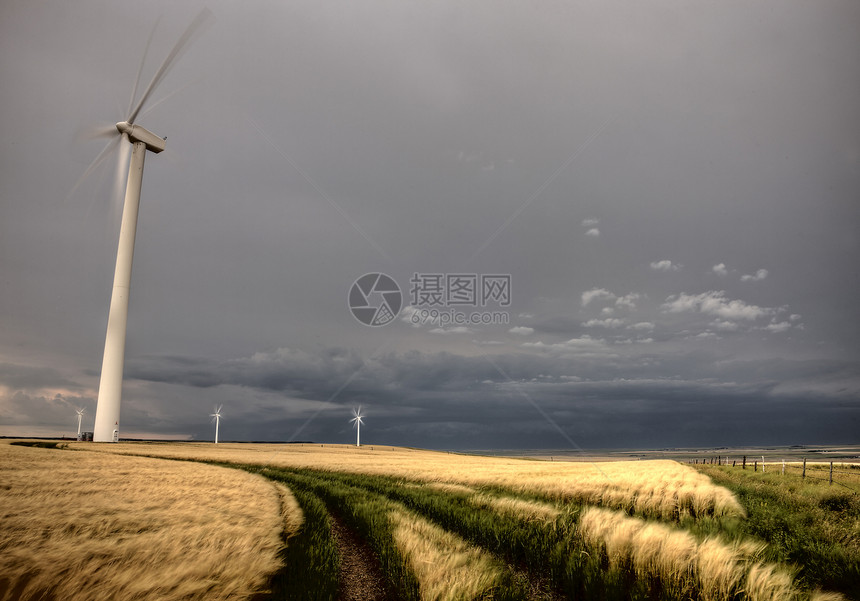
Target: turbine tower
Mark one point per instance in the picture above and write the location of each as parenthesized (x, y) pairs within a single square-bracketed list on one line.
[(216, 417), (357, 420), (110, 385), (80, 413), (142, 140)]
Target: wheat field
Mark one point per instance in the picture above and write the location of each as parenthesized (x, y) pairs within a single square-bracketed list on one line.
[(121, 521), (102, 526), (659, 488)]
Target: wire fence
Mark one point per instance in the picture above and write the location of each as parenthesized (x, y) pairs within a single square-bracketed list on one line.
[(821, 471)]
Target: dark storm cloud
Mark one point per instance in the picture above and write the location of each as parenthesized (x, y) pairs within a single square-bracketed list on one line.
[(672, 192), (504, 394), (26, 377)]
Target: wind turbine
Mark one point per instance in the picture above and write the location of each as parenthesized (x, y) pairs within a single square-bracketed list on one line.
[(357, 420), (80, 413), (110, 384), (216, 417)]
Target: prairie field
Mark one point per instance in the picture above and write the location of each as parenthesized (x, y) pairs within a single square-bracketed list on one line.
[(659, 488), (333, 522), (809, 522), (78, 525)]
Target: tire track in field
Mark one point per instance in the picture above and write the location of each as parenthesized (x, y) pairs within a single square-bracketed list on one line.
[(360, 575)]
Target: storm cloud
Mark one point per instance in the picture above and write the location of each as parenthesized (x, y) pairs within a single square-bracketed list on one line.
[(671, 191)]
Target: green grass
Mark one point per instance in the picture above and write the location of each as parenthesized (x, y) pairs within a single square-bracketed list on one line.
[(807, 523), (814, 528), (365, 510), (550, 551), (311, 560), (38, 444), (366, 514)]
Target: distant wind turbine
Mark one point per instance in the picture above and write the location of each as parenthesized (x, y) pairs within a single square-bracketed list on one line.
[(80, 413), (216, 417), (357, 420), (110, 384)]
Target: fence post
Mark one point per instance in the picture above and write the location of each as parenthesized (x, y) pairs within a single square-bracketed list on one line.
[(744, 466), (755, 466), (804, 468), (734, 461), (762, 464), (783, 467), (831, 473)]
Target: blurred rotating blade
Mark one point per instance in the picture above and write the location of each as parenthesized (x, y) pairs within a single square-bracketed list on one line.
[(152, 106), (108, 149), (203, 19), (140, 68), (97, 132)]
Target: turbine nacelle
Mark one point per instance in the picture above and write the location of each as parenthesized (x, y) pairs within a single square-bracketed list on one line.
[(136, 133)]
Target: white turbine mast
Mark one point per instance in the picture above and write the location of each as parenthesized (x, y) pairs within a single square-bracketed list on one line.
[(80, 413), (357, 421), (110, 384), (216, 417)]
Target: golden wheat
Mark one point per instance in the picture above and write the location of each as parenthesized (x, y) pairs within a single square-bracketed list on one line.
[(97, 526), (822, 596), (450, 487), (716, 570), (661, 488), (447, 568), (291, 513), (767, 583), (517, 508)]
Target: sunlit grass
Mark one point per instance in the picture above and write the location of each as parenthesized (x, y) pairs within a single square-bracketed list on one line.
[(447, 568), (713, 569), (807, 523), (518, 508)]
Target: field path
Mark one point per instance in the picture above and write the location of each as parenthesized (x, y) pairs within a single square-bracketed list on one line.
[(360, 575)]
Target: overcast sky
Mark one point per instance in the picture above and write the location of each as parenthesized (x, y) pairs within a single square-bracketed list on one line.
[(672, 187)]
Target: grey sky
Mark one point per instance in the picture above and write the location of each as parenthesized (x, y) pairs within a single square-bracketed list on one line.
[(674, 189)]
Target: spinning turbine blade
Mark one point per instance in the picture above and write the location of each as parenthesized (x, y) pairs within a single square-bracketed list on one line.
[(202, 19), (97, 132), (152, 106), (94, 165), (140, 68)]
